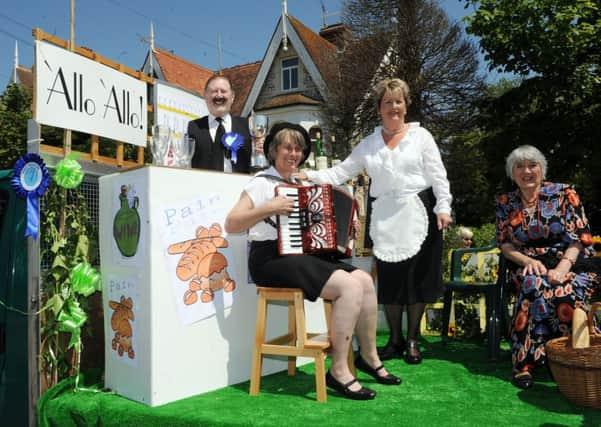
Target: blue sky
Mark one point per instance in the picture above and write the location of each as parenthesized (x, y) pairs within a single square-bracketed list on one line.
[(191, 28)]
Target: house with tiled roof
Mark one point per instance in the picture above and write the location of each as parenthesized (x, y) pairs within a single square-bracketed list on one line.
[(290, 83)]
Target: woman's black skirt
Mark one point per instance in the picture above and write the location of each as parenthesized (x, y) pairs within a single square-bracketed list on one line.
[(417, 279), (308, 272)]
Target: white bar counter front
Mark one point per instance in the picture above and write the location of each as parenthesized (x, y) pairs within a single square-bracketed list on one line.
[(179, 313)]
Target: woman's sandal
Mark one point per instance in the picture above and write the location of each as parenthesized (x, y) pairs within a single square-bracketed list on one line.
[(522, 380), (391, 350), (363, 393), (388, 379)]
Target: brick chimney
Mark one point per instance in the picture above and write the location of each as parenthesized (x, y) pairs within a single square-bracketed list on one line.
[(337, 34)]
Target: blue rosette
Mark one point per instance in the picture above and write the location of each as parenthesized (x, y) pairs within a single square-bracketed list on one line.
[(29, 181), (232, 141)]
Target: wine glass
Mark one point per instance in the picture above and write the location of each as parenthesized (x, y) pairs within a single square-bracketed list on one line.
[(161, 135), (258, 129), (183, 150)]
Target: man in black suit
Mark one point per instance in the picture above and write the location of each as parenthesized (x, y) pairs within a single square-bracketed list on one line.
[(210, 153)]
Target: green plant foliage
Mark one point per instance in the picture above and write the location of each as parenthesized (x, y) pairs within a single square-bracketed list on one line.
[(473, 199), (67, 283), (546, 37), (14, 113)]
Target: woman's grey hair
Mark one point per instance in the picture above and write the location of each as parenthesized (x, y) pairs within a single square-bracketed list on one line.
[(395, 86), (525, 153), (294, 135)]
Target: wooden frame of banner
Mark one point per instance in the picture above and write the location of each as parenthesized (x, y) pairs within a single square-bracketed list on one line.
[(93, 155)]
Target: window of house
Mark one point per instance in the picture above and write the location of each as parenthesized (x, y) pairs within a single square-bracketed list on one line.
[(290, 74)]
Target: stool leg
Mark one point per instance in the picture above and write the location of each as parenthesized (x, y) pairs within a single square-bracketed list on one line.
[(320, 376), (257, 358), (293, 333)]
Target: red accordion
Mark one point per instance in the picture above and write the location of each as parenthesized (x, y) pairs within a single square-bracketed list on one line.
[(321, 223)]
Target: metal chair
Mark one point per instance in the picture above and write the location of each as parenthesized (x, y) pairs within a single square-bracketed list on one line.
[(492, 289)]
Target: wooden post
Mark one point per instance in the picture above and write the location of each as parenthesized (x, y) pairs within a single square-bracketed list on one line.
[(120, 154), (140, 155), (67, 134), (94, 148)]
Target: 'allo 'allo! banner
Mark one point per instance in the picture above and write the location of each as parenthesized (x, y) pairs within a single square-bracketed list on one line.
[(73, 92)]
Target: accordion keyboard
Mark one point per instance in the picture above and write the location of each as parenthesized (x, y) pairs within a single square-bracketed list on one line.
[(291, 239)]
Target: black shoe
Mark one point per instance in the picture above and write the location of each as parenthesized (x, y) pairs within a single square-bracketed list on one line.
[(413, 356), (522, 380), (391, 351), (388, 379), (363, 393)]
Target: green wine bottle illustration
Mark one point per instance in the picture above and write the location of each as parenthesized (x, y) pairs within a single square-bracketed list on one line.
[(126, 225)]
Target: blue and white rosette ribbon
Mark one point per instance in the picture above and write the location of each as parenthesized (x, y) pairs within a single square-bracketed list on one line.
[(232, 141), (30, 180)]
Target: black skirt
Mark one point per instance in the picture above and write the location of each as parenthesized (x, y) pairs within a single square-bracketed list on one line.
[(417, 279), (307, 272)]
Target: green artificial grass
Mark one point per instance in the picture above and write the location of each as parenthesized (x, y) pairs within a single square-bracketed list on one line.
[(454, 386)]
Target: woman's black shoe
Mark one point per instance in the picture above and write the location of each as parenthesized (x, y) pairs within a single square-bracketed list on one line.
[(413, 356), (363, 393), (388, 379), (522, 380), (391, 351)]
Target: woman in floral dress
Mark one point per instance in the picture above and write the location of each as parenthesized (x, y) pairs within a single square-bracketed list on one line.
[(543, 231)]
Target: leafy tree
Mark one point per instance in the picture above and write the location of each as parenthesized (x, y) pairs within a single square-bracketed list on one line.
[(412, 40), (556, 46), (544, 37), (473, 199), (14, 112)]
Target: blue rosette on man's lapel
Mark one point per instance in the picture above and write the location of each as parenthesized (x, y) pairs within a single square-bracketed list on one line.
[(232, 141), (29, 181)]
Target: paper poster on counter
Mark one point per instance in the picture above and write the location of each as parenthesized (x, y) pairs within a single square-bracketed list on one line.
[(122, 308), (129, 234), (200, 266)]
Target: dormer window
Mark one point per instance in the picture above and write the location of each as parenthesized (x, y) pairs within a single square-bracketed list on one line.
[(290, 74)]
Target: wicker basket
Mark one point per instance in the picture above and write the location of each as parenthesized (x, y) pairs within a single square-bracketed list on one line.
[(577, 371)]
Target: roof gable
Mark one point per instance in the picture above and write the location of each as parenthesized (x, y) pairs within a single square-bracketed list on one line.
[(315, 52), (322, 52)]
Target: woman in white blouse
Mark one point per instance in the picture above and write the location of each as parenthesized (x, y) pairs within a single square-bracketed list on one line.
[(351, 290), (412, 206)]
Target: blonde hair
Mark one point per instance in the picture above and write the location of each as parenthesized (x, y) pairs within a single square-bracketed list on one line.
[(465, 232), (395, 87)]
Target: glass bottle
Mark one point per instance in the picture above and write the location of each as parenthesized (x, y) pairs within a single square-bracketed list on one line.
[(321, 161)]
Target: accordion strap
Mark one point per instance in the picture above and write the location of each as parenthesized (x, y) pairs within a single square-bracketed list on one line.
[(275, 178), (268, 220)]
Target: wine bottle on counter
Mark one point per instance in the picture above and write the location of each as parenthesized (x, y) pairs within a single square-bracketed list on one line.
[(321, 161), (335, 159)]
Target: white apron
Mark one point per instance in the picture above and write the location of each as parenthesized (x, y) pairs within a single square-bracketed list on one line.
[(399, 226)]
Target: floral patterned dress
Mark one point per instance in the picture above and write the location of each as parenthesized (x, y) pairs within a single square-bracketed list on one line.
[(542, 310)]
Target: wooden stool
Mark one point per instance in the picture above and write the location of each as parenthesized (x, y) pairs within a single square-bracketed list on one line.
[(297, 342)]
